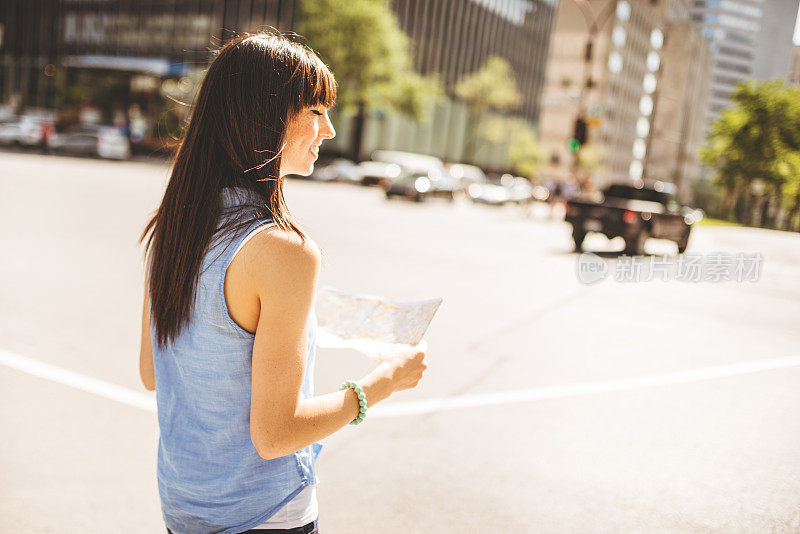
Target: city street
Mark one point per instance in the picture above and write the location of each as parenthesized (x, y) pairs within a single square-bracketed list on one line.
[(549, 405)]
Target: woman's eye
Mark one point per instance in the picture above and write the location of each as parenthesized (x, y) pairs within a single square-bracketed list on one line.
[(317, 112)]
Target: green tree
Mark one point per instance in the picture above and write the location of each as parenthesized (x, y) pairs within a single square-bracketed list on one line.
[(371, 58), (590, 160), (519, 137), (791, 191), (493, 87), (757, 138)]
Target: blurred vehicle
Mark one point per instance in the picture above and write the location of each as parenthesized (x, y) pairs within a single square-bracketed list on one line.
[(635, 213), (340, 170), (10, 131), (467, 174), (378, 172), (520, 190), (30, 129), (414, 163), (492, 193), (419, 187), (101, 141), (507, 190), (422, 176)]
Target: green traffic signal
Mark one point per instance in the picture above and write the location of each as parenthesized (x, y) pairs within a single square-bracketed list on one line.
[(573, 145)]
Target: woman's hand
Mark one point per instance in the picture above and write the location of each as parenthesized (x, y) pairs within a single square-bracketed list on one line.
[(404, 365)]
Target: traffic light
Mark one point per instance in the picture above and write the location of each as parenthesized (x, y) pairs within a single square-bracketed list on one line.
[(580, 131), (573, 145), (578, 136)]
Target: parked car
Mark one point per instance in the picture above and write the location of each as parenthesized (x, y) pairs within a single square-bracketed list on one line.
[(419, 187), (422, 176), (635, 213), (520, 190), (420, 164), (340, 169), (378, 172), (507, 190), (25, 130), (492, 193), (101, 141), (467, 174), (10, 131)]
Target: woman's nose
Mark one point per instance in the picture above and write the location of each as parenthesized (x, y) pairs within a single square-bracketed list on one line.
[(328, 130)]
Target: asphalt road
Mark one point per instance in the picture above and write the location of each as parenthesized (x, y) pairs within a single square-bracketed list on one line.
[(549, 405)]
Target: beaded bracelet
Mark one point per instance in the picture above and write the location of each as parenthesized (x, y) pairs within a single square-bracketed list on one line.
[(362, 400)]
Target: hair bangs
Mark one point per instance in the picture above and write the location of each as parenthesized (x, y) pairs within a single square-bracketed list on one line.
[(319, 85)]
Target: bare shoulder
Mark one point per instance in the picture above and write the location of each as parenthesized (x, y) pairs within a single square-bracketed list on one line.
[(280, 246), (280, 256)]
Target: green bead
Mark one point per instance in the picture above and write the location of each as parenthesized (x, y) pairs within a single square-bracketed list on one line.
[(361, 395)]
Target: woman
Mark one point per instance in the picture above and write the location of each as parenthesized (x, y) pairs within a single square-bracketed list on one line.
[(228, 320)]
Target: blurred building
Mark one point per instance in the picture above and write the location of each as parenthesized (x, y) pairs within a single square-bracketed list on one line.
[(608, 77), (680, 104), (454, 38), (27, 47), (749, 38), (121, 37), (794, 66), (118, 60), (774, 41)]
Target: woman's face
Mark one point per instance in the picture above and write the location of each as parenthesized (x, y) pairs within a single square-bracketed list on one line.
[(304, 134)]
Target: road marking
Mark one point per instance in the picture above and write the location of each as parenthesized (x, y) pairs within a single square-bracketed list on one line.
[(147, 402), (137, 399), (579, 389)]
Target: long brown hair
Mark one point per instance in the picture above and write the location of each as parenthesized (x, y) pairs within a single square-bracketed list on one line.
[(234, 138)]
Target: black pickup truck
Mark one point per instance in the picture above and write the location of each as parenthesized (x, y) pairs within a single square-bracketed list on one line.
[(635, 213)]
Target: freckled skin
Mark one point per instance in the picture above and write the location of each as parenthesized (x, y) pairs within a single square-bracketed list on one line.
[(304, 134)]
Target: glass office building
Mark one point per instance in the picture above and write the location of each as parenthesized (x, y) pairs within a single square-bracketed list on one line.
[(115, 54)]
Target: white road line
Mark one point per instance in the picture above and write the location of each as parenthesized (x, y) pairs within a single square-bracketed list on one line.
[(579, 389), (147, 401), (75, 380)]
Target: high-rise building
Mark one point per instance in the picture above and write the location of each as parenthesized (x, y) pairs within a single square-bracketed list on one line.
[(679, 116), (749, 39), (604, 64), (774, 41), (453, 38), (132, 51), (122, 47)]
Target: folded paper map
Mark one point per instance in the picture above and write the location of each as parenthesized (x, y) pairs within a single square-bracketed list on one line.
[(370, 324)]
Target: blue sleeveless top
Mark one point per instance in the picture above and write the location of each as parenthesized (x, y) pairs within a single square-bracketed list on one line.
[(210, 476)]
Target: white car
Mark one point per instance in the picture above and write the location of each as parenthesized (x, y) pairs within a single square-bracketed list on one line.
[(10, 132), (102, 141), (24, 130), (378, 172), (340, 169), (467, 174)]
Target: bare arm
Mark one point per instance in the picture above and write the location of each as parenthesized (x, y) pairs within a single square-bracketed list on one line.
[(146, 369), (285, 273)]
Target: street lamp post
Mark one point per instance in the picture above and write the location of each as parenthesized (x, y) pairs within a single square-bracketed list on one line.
[(594, 22)]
